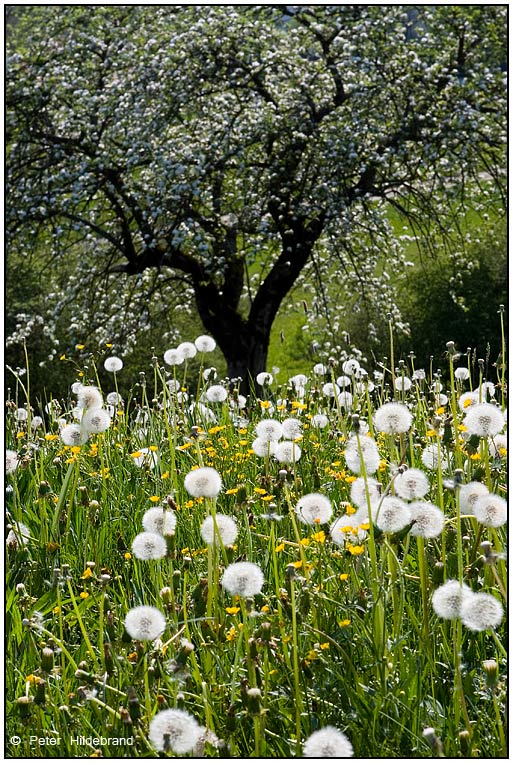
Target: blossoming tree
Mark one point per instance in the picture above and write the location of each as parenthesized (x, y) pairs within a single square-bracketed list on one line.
[(225, 149)]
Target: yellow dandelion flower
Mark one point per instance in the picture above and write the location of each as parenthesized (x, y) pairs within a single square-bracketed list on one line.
[(312, 655), (319, 537), (231, 635), (475, 457), (232, 610), (153, 448), (56, 610), (232, 491), (51, 436), (128, 556), (344, 623), (355, 550), (440, 411), (154, 498), (136, 454), (462, 428), (467, 402), (325, 645), (343, 576), (265, 404), (20, 435), (165, 475), (305, 541), (84, 595), (279, 547), (79, 346), (87, 574), (260, 491), (264, 609), (350, 478)]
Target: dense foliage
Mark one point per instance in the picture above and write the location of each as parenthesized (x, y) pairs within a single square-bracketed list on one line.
[(160, 157)]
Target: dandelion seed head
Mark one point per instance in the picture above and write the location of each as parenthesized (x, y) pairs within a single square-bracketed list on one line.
[(481, 611), (430, 458), (319, 369), (73, 434), (173, 357), (149, 545), (263, 448), (348, 528), (269, 429), (490, 510), (419, 374), (344, 381), (95, 420), (369, 451), (391, 514), (359, 491), (159, 520), (327, 742), (187, 350), (113, 364), (484, 420), (462, 373), (204, 481), (287, 452), (205, 343), (447, 600), (176, 728), (243, 579), (350, 367), (402, 384), (411, 484), (292, 428), (216, 393), (264, 378), (314, 509), (11, 461), (428, 519), (345, 400), (145, 623), (114, 398), (320, 420), (469, 494), (227, 527), (330, 390), (393, 418), (21, 414), (89, 397), (18, 536)]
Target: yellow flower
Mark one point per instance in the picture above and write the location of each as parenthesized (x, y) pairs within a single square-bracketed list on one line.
[(136, 454), (440, 411), (265, 608), (232, 633), (165, 475), (325, 645), (232, 491), (431, 433), (63, 357), (84, 595), (343, 576), (319, 537), (475, 457), (267, 497), (232, 610), (51, 436), (75, 449), (260, 491), (79, 346), (279, 547), (32, 679), (297, 565), (344, 623), (350, 478), (467, 402), (87, 574), (265, 404), (108, 344), (153, 447), (305, 541), (298, 405), (355, 550), (462, 428), (56, 610), (128, 556), (350, 509), (154, 498), (20, 435), (312, 655)]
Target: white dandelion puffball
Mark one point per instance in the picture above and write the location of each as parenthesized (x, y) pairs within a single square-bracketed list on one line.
[(441, 400), (173, 357), (146, 457), (487, 389), (187, 350), (292, 429), (205, 343), (467, 400), (469, 494), (114, 398), (287, 452), (391, 515), (344, 381), (36, 422), (431, 458), (73, 434), (350, 367), (89, 397), (498, 445), (148, 545), (419, 374), (402, 384), (320, 420), (330, 390), (18, 536), (226, 530), (145, 623), (393, 418), (204, 481), (210, 374), (360, 492), (484, 420), (314, 509), (411, 484), (299, 381), (369, 454), (328, 742), (264, 378), (345, 400), (21, 414), (159, 520), (95, 420), (269, 429), (491, 510), (216, 394), (448, 599), (428, 519), (348, 528), (11, 461), (481, 611), (263, 448), (113, 364), (176, 728), (243, 579), (462, 373)]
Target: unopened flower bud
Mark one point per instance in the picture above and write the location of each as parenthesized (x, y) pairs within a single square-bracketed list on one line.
[(47, 660), (491, 670)]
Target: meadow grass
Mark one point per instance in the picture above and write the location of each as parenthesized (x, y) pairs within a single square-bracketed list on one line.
[(341, 634)]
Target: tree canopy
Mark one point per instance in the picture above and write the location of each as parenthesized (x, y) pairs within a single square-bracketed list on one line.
[(226, 150)]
